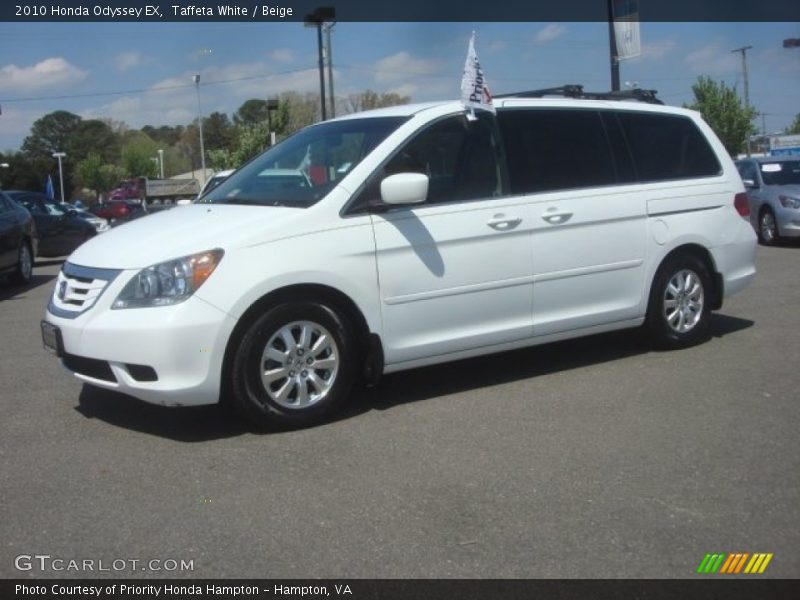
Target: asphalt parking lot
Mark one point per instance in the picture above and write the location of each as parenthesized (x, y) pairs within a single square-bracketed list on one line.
[(590, 458)]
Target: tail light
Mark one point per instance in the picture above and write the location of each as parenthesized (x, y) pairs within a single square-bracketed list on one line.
[(741, 205)]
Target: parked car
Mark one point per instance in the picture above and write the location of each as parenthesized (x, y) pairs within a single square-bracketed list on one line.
[(59, 231), (118, 211), (773, 192), (18, 241), (424, 236), (100, 224)]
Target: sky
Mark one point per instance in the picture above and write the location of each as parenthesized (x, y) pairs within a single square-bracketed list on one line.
[(141, 73)]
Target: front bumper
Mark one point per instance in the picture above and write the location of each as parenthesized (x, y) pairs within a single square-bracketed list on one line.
[(182, 345)]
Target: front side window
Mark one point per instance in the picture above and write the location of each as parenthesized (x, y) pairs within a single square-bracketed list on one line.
[(459, 157), (302, 169)]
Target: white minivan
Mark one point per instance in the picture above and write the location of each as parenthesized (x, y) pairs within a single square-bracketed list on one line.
[(409, 236)]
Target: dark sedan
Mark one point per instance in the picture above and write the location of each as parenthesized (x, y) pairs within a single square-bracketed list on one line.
[(18, 242), (60, 231)]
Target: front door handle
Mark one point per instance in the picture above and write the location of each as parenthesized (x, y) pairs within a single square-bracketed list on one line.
[(557, 218), (503, 223)]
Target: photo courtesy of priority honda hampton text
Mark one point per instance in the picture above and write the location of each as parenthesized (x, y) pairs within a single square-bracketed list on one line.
[(410, 236)]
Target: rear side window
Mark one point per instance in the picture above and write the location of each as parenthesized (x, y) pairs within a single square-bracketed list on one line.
[(556, 149), (667, 147)]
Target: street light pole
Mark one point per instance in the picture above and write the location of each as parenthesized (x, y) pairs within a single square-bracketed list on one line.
[(744, 50), (59, 156), (161, 161), (196, 79)]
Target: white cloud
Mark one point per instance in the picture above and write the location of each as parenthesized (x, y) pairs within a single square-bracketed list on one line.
[(548, 33), (498, 46), (403, 66), (658, 50), (128, 60), (50, 73), (283, 55), (715, 60)]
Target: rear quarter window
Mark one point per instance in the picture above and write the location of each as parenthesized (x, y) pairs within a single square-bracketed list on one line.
[(667, 147)]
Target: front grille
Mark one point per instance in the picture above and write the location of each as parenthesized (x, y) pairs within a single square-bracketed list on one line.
[(90, 367), (78, 288)]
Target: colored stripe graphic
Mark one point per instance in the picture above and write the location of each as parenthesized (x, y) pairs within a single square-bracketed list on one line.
[(758, 563), (711, 562), (733, 563)]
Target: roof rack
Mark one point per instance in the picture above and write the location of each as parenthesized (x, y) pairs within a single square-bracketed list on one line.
[(576, 91)]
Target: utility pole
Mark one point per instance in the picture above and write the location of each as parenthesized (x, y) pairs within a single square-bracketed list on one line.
[(317, 19), (744, 50), (329, 56)]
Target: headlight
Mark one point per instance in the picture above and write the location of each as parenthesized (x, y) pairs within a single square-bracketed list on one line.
[(170, 282), (788, 202)]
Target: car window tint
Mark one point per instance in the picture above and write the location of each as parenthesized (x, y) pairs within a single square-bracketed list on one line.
[(781, 173), (667, 147), (551, 149), (302, 169), (747, 170), (458, 156)]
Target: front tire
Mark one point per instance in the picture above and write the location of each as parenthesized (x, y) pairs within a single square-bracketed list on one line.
[(768, 233), (294, 366), (679, 311), (24, 271)]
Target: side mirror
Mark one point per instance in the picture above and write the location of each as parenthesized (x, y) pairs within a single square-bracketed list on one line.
[(749, 183), (404, 188), (71, 213)]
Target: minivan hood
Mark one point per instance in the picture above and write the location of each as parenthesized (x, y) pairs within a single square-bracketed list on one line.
[(184, 230)]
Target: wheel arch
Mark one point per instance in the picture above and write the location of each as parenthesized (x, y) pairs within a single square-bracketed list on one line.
[(369, 343), (701, 253)]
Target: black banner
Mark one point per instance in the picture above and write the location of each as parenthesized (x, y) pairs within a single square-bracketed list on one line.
[(405, 10), (396, 589)]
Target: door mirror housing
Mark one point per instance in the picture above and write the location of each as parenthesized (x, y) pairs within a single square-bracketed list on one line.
[(404, 188)]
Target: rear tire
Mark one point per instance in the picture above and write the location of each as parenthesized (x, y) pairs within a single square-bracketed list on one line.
[(679, 310), (294, 366), (24, 271), (768, 233)]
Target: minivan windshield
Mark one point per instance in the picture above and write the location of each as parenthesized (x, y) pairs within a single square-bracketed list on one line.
[(302, 169)]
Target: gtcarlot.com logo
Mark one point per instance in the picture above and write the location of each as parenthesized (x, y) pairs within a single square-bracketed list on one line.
[(734, 563), (46, 562)]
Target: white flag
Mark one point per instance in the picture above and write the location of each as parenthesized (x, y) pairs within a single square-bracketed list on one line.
[(474, 92), (626, 28)]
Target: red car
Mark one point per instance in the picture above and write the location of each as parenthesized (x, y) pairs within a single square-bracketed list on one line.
[(117, 211)]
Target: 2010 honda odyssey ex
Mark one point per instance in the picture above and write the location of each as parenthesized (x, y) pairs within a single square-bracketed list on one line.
[(408, 236)]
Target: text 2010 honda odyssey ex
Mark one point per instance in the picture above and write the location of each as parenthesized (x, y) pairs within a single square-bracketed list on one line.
[(408, 236)]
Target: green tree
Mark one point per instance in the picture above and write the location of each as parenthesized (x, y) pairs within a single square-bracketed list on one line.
[(94, 174), (251, 112), (51, 133), (794, 128), (138, 152), (368, 100), (724, 112), (93, 136), (218, 132)]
